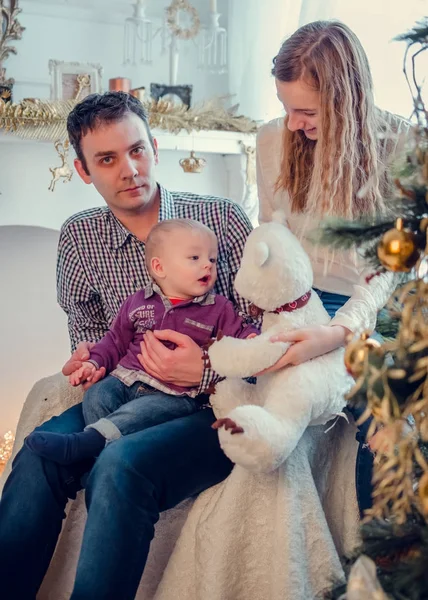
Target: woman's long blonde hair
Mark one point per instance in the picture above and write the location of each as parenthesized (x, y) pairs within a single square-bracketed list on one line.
[(344, 172)]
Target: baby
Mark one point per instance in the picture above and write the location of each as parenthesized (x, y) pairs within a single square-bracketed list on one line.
[(181, 257)]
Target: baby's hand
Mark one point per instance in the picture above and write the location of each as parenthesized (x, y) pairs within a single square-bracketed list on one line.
[(251, 336), (83, 374)]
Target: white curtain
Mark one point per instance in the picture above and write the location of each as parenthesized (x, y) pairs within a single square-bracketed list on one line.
[(256, 30), (376, 23)]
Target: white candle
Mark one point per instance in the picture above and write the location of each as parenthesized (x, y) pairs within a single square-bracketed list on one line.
[(213, 6)]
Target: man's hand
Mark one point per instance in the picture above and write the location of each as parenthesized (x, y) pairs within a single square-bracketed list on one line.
[(76, 360), (182, 366), (308, 343)]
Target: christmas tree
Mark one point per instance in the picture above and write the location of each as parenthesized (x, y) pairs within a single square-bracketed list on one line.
[(391, 378)]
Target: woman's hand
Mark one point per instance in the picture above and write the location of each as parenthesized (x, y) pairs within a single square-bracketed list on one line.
[(308, 343)]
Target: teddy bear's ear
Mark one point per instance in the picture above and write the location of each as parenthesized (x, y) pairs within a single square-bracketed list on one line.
[(278, 216), (261, 253)]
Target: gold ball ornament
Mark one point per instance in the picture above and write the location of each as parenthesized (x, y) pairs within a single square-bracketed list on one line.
[(356, 353), (398, 250)]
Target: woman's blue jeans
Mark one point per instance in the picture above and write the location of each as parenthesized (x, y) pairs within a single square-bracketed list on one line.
[(364, 464), (131, 482)]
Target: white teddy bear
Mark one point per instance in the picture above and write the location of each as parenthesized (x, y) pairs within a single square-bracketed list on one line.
[(260, 425)]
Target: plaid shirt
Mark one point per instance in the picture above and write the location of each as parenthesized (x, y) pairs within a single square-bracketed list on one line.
[(100, 263)]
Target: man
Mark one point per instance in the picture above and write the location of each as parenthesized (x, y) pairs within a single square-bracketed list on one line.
[(100, 263)]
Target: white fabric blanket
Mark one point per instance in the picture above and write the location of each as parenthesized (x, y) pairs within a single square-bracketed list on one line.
[(267, 537), (254, 537)]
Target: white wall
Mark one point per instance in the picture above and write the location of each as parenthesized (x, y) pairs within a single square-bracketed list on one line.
[(95, 35), (25, 178)]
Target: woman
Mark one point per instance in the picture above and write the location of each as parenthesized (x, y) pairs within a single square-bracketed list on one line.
[(330, 156), (278, 536)]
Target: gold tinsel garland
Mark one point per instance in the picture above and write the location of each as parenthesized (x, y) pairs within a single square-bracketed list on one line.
[(45, 120)]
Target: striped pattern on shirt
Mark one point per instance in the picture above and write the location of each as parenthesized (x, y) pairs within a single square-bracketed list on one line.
[(100, 263)]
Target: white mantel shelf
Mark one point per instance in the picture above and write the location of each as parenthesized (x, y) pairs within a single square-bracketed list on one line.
[(217, 142), (26, 169)]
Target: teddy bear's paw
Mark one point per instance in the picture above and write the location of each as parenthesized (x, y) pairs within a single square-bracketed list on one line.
[(223, 354), (231, 357), (243, 450), (249, 449)]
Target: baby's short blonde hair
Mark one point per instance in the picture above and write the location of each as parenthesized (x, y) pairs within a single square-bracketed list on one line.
[(157, 235)]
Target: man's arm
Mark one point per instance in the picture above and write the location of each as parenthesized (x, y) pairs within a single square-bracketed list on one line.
[(86, 319)]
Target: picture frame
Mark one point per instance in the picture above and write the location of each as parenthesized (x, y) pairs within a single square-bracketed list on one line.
[(64, 84), (181, 92)]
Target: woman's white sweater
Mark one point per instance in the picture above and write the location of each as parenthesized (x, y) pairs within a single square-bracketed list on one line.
[(339, 272)]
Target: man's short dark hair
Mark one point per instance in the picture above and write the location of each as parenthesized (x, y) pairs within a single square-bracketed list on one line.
[(98, 109)]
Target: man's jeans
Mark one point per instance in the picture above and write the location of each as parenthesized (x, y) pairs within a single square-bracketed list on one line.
[(132, 480), (364, 464), (115, 409)]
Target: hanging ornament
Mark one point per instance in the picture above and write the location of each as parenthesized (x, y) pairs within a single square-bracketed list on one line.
[(172, 12), (356, 354), (192, 164), (64, 171), (398, 250)]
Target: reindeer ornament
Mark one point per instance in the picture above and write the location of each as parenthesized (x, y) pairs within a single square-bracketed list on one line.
[(64, 170)]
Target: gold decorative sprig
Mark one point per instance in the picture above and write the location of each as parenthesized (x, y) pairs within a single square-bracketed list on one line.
[(209, 115), (36, 119), (45, 120)]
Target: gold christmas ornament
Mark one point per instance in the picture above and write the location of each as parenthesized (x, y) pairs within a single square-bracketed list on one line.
[(192, 164), (356, 354), (398, 250)]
